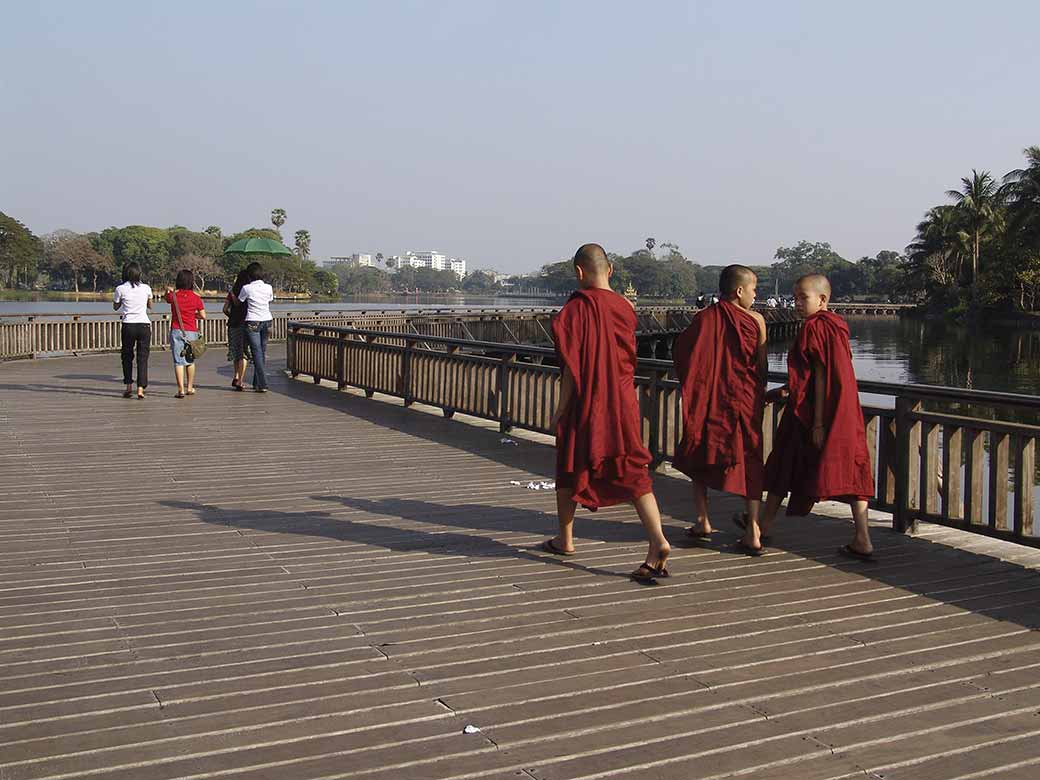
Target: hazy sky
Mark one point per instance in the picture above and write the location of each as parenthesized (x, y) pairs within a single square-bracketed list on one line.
[(510, 132)]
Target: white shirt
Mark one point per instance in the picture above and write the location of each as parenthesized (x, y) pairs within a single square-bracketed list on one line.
[(133, 302), (257, 296)]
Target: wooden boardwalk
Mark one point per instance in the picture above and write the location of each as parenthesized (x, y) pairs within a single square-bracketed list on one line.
[(311, 584)]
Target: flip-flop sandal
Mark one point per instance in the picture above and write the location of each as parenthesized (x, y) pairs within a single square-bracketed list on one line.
[(127, 394), (179, 395), (549, 547), (698, 536), (648, 573), (747, 549), (740, 521), (849, 552)]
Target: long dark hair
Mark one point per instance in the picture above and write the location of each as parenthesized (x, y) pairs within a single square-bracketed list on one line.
[(185, 279), (132, 273), (240, 281), (255, 271)]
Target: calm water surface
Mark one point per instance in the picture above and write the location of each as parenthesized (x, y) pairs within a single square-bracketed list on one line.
[(1002, 358)]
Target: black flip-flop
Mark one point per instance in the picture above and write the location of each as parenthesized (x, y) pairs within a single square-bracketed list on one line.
[(648, 573), (550, 547), (127, 394), (698, 536), (740, 521), (747, 549), (856, 555)]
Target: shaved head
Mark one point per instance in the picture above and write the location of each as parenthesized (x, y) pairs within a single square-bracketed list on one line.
[(817, 283), (591, 259), (734, 276)]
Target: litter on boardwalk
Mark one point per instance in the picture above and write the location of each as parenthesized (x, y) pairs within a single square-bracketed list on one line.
[(510, 442), (471, 730), (543, 484)]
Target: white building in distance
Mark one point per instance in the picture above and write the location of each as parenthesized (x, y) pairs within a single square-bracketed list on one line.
[(351, 261), (428, 259)]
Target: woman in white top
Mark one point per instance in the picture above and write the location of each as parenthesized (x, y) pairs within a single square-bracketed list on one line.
[(257, 296), (132, 299)]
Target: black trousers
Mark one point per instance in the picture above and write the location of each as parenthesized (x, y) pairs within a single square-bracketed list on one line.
[(137, 338)]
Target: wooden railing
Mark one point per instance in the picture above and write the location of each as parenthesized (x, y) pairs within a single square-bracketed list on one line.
[(964, 471)]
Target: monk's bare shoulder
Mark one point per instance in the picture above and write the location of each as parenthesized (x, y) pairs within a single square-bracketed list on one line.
[(761, 322), (758, 317)]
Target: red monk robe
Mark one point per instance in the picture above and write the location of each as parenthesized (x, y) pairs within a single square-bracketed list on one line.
[(599, 443), (716, 360), (842, 469)]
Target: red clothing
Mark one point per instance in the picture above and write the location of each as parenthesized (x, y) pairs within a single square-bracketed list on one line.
[(188, 303), (723, 394), (842, 469), (599, 442)]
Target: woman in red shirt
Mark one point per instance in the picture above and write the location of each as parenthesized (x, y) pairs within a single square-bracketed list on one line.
[(192, 310)]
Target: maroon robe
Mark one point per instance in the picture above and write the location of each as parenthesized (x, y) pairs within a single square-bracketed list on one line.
[(723, 394), (841, 469), (599, 443)]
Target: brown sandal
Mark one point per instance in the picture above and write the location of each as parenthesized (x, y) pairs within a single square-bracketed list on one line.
[(549, 546)]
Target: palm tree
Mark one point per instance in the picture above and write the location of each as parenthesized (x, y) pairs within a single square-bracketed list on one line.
[(278, 219), (303, 244), (1021, 192), (937, 252), (978, 205)]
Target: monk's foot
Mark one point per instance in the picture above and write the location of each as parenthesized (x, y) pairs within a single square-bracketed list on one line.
[(858, 551), (700, 530), (556, 547)]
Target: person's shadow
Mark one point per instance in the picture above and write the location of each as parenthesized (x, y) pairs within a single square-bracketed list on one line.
[(323, 524)]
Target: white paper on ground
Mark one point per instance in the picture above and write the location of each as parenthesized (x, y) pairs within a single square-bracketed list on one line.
[(471, 730)]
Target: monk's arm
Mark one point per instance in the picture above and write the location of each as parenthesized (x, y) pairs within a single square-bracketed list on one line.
[(566, 395), (763, 355)]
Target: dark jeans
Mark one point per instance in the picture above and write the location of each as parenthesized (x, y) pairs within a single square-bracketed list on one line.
[(256, 334), (137, 338)]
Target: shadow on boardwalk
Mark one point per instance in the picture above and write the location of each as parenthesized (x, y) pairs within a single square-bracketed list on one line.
[(404, 540)]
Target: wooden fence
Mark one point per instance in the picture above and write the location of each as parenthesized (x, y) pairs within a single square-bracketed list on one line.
[(960, 470)]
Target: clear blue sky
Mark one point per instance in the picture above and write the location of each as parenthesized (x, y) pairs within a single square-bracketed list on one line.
[(511, 132)]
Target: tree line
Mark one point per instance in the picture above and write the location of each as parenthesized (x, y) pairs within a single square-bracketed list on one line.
[(65, 260)]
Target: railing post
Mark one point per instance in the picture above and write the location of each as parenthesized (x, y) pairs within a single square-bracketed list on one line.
[(290, 352), (505, 424), (446, 410), (406, 373), (653, 396), (341, 361), (369, 389), (908, 469)]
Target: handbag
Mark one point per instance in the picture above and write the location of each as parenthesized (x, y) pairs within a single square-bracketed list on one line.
[(192, 349)]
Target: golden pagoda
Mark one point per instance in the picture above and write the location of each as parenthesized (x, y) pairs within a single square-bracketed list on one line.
[(630, 292)]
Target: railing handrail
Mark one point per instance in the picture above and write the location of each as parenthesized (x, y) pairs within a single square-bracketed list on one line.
[(916, 391)]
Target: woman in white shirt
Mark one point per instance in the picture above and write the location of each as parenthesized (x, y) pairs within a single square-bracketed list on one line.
[(132, 299), (257, 296)]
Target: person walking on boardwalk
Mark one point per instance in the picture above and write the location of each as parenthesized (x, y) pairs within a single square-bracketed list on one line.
[(600, 457), (235, 311), (132, 299), (257, 295), (720, 360), (186, 310), (820, 449)]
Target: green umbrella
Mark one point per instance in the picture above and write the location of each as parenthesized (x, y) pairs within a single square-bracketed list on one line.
[(258, 246)]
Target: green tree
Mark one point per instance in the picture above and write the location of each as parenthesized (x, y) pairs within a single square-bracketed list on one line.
[(978, 206), (362, 281), (1021, 191), (480, 282), (278, 219), (148, 246), (936, 255), (19, 252), (325, 282), (74, 255), (303, 244)]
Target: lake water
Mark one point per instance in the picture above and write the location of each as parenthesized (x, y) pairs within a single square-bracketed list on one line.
[(1002, 358)]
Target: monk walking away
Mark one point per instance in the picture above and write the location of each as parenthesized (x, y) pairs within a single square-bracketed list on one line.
[(600, 457), (720, 360), (820, 451)]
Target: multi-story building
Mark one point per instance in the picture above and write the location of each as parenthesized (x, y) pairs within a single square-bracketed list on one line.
[(352, 261), (457, 265)]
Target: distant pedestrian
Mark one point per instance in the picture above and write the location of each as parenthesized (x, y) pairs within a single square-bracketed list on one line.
[(257, 295), (132, 299), (235, 311), (188, 306)]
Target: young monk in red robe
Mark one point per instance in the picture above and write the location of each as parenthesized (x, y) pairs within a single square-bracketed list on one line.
[(820, 450), (600, 457), (720, 360)]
